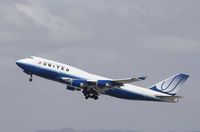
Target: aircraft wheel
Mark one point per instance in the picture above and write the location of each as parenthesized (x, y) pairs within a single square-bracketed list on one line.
[(30, 79), (86, 97), (96, 97)]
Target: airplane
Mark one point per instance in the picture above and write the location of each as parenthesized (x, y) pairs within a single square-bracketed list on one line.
[(92, 86)]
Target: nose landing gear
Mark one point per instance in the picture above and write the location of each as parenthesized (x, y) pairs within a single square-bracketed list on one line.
[(31, 78)]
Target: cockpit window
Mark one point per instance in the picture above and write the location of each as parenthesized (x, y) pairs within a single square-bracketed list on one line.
[(30, 57)]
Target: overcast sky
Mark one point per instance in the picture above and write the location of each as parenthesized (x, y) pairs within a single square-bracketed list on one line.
[(112, 38)]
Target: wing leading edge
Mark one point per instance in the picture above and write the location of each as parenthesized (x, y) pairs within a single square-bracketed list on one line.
[(101, 83)]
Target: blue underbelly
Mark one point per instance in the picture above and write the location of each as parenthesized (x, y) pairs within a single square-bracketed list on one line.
[(120, 93)]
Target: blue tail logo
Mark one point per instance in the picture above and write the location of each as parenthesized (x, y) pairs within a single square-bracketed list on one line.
[(171, 85)]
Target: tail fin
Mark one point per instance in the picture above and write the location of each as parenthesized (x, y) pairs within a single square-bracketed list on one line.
[(171, 85)]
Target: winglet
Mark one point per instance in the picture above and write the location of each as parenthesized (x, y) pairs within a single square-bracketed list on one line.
[(142, 78)]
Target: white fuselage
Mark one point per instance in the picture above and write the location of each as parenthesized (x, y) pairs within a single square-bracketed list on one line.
[(54, 70)]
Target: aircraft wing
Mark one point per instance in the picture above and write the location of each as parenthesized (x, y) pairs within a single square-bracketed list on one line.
[(101, 83), (128, 80), (67, 80), (94, 88)]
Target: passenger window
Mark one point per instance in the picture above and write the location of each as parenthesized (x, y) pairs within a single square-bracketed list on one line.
[(49, 65), (67, 69), (62, 68), (57, 67), (45, 63)]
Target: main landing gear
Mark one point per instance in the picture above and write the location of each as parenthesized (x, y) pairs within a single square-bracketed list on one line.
[(90, 94), (31, 78)]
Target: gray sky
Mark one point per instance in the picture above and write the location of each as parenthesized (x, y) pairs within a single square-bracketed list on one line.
[(113, 38)]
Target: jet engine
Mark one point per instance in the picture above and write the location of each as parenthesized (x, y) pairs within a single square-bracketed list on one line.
[(79, 83), (104, 83)]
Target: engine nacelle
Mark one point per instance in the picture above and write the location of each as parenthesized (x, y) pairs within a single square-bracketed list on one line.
[(104, 83), (73, 88), (79, 83)]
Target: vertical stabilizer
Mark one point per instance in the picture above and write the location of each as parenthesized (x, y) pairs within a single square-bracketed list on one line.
[(171, 85)]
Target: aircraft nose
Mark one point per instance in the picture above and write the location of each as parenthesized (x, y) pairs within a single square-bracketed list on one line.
[(20, 63)]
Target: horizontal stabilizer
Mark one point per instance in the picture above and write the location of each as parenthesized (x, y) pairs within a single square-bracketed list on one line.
[(172, 99)]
